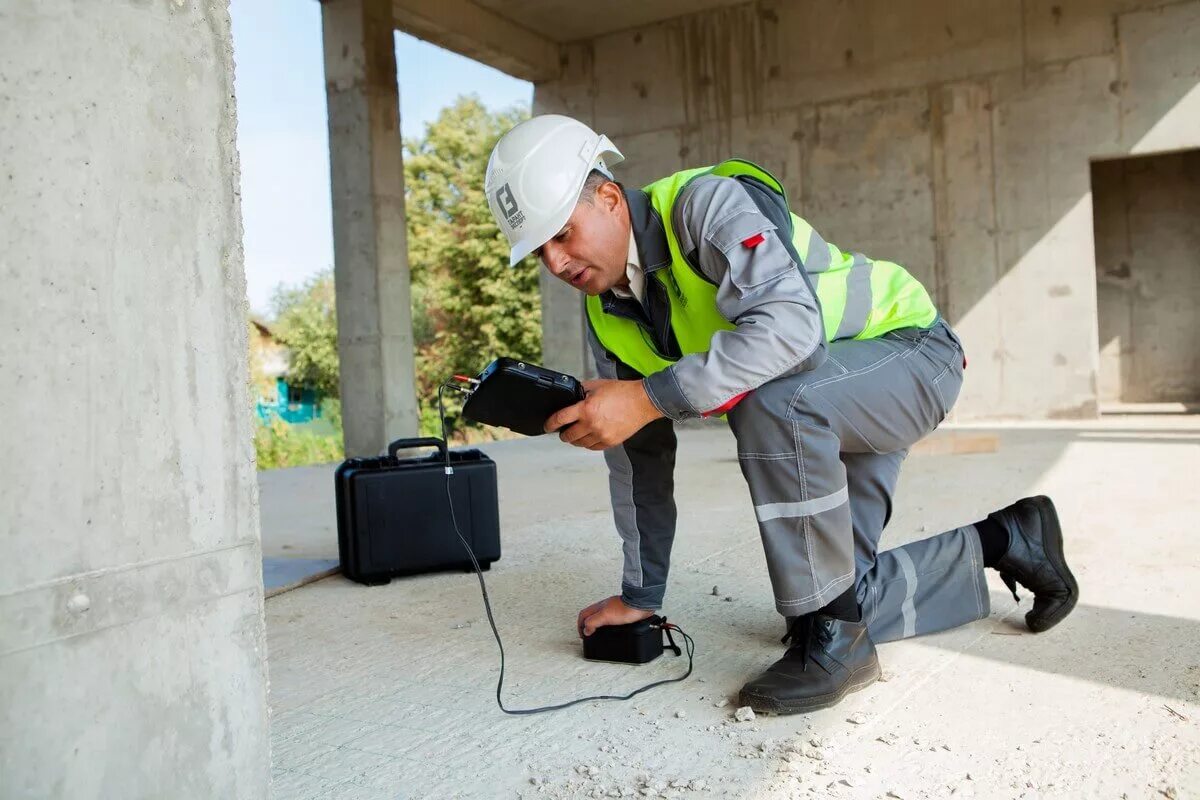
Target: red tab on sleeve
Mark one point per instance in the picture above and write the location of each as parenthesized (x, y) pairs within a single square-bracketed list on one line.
[(753, 241), (728, 405)]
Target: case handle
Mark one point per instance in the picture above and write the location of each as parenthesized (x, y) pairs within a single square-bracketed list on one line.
[(420, 441)]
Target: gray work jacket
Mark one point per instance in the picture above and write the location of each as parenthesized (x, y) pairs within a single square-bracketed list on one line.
[(763, 290)]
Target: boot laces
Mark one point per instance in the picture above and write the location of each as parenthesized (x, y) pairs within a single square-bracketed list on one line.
[(806, 631)]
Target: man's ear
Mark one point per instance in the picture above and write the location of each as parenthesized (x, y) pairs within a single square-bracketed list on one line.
[(610, 196)]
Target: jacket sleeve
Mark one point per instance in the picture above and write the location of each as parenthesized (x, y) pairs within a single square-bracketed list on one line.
[(641, 482), (738, 236)]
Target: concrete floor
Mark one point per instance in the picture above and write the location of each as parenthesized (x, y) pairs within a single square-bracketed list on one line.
[(390, 692)]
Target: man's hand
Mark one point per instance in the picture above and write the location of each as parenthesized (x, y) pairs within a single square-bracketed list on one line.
[(611, 413), (610, 611)]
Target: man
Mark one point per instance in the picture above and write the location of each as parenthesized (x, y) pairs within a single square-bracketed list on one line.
[(706, 296)]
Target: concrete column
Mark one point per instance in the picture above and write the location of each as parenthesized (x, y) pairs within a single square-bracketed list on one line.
[(375, 342), (564, 343), (132, 652), (563, 324)]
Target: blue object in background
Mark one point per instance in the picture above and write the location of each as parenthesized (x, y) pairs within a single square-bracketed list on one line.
[(294, 405)]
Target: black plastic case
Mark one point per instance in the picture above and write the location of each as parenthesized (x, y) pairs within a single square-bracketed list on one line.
[(521, 397), (394, 519), (633, 643)]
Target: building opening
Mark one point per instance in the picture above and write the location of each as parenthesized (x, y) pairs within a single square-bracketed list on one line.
[(1148, 277)]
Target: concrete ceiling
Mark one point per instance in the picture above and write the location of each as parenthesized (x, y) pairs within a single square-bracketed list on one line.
[(522, 37), (572, 20)]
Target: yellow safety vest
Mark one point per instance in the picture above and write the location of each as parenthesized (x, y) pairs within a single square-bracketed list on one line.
[(860, 298)]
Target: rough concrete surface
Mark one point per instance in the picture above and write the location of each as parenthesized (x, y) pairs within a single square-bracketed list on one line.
[(370, 245), (390, 691), (132, 660)]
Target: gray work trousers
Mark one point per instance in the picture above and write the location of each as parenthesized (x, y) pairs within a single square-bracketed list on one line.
[(821, 451)]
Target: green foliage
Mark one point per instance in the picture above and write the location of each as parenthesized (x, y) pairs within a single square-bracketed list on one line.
[(306, 324), (468, 306), (472, 306), (279, 444)]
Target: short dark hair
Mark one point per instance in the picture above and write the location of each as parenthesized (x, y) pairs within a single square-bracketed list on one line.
[(591, 183)]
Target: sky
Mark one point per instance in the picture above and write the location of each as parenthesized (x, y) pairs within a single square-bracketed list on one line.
[(283, 137)]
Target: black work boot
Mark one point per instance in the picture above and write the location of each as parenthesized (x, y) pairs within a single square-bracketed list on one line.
[(828, 659), (1035, 560)]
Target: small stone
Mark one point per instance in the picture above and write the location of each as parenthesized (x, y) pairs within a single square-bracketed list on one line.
[(680, 714), (895, 795), (724, 701), (848, 782), (79, 603), (716, 592), (887, 738), (593, 771), (581, 769), (808, 751), (744, 714), (946, 747), (766, 745), (817, 741), (857, 718), (649, 791), (698, 785), (728, 599), (536, 781), (679, 784)]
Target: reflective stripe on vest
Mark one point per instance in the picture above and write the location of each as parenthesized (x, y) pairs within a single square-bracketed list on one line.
[(860, 298)]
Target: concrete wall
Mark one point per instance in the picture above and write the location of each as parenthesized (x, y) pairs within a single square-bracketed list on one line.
[(132, 658), (1148, 283), (952, 137)]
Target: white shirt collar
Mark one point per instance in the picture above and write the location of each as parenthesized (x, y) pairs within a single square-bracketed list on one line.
[(633, 271)]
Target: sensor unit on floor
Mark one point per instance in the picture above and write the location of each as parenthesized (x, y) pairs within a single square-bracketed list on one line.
[(634, 643)]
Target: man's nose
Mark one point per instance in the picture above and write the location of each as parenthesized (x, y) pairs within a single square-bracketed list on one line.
[(555, 259)]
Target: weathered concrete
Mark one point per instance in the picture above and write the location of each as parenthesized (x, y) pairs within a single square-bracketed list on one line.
[(475, 32), (1148, 255), (384, 692), (954, 138), (370, 243), (132, 660)]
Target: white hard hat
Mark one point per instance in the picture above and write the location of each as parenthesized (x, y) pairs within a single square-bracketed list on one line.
[(535, 175)]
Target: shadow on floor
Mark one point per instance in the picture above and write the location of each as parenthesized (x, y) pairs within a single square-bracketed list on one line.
[(1132, 650), (282, 574)]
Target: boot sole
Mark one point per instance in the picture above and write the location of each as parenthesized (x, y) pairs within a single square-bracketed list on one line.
[(1052, 543), (860, 679)]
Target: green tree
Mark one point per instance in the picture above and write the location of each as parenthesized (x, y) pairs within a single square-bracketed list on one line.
[(306, 324), (471, 306)]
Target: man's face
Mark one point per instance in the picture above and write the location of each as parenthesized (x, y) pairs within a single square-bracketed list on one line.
[(589, 251)]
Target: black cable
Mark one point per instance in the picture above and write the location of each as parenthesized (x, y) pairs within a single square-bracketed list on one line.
[(487, 604)]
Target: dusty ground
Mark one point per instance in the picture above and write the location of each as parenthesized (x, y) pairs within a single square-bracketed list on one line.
[(390, 692)]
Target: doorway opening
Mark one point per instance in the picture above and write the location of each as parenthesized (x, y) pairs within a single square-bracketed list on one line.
[(1147, 229)]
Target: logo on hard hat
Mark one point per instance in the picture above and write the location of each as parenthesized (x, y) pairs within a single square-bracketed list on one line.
[(508, 204)]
